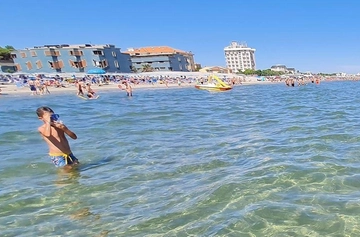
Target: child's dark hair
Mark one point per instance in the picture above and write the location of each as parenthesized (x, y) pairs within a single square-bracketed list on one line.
[(40, 111)]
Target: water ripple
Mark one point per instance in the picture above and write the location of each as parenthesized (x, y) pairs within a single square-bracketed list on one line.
[(255, 161)]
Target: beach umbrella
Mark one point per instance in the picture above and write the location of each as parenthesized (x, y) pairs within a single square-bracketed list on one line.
[(96, 71)]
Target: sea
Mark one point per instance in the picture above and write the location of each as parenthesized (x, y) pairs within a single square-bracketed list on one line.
[(258, 160)]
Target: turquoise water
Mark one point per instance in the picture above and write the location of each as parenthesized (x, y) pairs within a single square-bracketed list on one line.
[(259, 160)]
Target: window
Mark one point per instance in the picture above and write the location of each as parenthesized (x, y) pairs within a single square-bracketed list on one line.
[(78, 64), (161, 61), (33, 53), (54, 53), (29, 65), (56, 64), (98, 52), (104, 63), (38, 64), (13, 56), (83, 64), (76, 53), (113, 54), (60, 64), (162, 67), (18, 67), (116, 63), (23, 54)]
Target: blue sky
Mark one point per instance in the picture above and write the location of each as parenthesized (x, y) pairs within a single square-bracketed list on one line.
[(310, 35)]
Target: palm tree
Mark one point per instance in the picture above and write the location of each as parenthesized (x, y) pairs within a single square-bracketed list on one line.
[(133, 69), (9, 47), (146, 68)]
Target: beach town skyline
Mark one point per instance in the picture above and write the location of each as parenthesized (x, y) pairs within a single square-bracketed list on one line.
[(307, 35)]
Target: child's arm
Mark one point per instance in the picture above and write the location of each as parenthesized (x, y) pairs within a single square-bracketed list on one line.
[(66, 130), (46, 130), (70, 133)]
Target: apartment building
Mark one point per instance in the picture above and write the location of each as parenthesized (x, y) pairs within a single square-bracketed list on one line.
[(283, 68), (71, 59), (239, 57), (161, 58)]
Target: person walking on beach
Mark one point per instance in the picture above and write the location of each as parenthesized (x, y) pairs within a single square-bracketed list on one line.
[(53, 132)]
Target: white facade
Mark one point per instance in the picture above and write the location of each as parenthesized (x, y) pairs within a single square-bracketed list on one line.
[(239, 57)]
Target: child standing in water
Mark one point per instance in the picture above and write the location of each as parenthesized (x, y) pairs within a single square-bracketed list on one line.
[(53, 132)]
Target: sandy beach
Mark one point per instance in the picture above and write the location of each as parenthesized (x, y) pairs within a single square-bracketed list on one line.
[(14, 90)]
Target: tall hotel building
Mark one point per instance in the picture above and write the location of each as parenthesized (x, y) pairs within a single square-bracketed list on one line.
[(239, 57)]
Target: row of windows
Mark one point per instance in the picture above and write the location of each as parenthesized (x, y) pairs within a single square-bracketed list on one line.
[(159, 68), (57, 53), (236, 62), (151, 62), (238, 53), (241, 59), (239, 67), (75, 64)]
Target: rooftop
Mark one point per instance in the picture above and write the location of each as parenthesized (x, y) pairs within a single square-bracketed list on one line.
[(154, 50), (72, 46), (236, 45)]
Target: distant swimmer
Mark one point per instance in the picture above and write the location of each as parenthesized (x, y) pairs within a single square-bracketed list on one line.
[(32, 87), (78, 85), (90, 91), (128, 89)]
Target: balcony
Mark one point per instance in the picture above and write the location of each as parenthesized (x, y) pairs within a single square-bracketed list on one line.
[(52, 53), (77, 53), (56, 64), (78, 64)]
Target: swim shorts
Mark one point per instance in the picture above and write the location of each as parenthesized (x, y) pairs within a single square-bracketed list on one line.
[(61, 160)]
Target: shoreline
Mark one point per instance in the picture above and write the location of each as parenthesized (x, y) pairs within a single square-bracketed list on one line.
[(14, 90)]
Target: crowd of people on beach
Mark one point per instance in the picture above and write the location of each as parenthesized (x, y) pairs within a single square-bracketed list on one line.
[(40, 84)]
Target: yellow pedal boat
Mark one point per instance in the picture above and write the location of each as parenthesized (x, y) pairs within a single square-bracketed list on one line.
[(214, 84)]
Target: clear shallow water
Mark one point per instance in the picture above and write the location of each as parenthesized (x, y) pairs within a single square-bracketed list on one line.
[(261, 160)]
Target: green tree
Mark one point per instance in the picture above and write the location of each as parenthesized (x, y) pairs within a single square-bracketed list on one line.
[(248, 72), (133, 69), (10, 48), (197, 67), (147, 68), (5, 53)]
